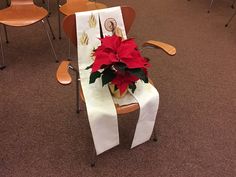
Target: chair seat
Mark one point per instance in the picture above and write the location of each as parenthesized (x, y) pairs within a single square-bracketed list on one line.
[(72, 6), (22, 15), (121, 109)]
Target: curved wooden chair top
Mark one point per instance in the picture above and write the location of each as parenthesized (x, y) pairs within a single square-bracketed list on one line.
[(63, 75), (22, 13), (73, 6), (69, 24)]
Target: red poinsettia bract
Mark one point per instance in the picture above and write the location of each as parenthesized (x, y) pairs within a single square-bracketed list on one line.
[(113, 50), (119, 62), (122, 82)]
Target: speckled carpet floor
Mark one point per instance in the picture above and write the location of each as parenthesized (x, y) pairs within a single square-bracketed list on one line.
[(41, 135)]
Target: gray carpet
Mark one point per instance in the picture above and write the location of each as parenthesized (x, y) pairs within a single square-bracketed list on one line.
[(42, 136)]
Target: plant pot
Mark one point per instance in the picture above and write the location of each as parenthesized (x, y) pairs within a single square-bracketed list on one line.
[(116, 93)]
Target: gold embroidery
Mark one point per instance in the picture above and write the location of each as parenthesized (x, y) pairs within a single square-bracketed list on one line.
[(84, 39), (118, 32), (92, 21)]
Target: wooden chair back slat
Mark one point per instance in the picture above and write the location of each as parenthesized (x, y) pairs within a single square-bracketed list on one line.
[(21, 2)]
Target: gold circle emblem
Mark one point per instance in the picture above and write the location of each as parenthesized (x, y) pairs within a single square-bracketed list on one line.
[(110, 24)]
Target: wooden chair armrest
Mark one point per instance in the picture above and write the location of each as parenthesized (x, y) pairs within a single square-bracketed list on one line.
[(63, 75), (169, 49)]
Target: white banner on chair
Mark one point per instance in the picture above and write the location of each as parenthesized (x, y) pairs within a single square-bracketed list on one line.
[(100, 107), (112, 18), (146, 95), (99, 103), (148, 99)]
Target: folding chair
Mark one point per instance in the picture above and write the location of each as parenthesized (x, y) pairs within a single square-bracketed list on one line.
[(63, 76), (23, 13)]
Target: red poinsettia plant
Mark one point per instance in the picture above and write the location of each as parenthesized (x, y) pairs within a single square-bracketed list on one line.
[(119, 62)]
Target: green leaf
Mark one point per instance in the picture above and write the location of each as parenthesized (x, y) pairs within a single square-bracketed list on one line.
[(132, 87), (138, 72), (94, 76), (120, 67), (116, 88), (88, 67), (107, 76)]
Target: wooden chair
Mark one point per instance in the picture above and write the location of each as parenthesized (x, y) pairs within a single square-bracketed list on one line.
[(63, 76), (24, 13), (73, 6)]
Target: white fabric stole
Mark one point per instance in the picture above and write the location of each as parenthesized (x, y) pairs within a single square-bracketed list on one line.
[(148, 99), (114, 15), (103, 122), (146, 95)]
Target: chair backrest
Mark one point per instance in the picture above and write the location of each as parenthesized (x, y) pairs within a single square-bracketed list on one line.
[(69, 23), (21, 2)]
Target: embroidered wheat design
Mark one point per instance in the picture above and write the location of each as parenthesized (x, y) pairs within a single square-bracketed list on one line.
[(92, 21), (84, 39)]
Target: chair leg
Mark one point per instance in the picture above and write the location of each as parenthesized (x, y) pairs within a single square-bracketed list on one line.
[(54, 53), (59, 19), (5, 31), (48, 4), (77, 88), (210, 6), (93, 158), (77, 92), (53, 36), (69, 51), (2, 65), (231, 18), (233, 4)]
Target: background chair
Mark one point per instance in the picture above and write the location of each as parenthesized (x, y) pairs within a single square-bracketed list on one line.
[(210, 6), (63, 76), (24, 13)]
